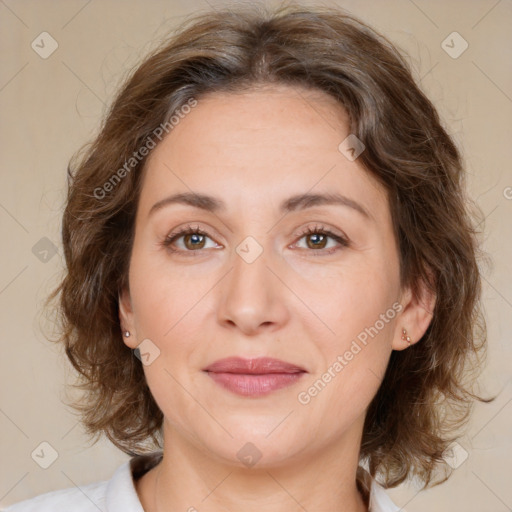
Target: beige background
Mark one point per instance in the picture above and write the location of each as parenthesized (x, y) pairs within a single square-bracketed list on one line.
[(50, 107)]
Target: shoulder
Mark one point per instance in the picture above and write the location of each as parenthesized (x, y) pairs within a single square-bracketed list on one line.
[(115, 495), (88, 498)]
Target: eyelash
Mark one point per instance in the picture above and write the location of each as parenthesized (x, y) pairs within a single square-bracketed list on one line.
[(317, 230)]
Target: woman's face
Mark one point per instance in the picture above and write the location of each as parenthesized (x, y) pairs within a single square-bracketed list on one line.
[(257, 284)]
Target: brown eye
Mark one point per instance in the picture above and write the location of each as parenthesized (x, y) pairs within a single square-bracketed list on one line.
[(194, 239), (317, 239)]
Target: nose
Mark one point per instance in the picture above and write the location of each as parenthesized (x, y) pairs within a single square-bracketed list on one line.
[(253, 295)]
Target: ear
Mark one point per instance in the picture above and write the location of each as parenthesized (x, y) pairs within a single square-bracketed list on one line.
[(416, 315), (126, 318)]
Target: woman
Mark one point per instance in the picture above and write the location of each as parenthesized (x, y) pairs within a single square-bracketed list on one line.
[(272, 291)]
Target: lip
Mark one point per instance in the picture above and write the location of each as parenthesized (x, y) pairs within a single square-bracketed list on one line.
[(254, 377), (258, 365)]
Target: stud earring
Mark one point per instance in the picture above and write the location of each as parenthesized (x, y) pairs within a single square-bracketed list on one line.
[(405, 337), (126, 334)]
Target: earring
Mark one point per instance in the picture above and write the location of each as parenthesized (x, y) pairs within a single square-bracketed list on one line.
[(405, 337), (126, 334)]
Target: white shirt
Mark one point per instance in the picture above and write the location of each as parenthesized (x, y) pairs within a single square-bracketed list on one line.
[(119, 495)]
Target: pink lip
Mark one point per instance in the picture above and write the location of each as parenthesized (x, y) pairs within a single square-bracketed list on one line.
[(254, 377)]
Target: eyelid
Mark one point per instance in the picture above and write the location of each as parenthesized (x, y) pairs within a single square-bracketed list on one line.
[(320, 228)]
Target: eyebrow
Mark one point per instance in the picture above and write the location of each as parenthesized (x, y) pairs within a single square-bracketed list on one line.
[(294, 203)]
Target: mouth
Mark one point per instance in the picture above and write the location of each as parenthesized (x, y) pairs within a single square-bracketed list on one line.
[(254, 377)]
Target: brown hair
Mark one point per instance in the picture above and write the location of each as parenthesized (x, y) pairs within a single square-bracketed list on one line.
[(425, 395)]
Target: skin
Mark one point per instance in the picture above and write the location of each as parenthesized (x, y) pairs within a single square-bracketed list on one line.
[(294, 302)]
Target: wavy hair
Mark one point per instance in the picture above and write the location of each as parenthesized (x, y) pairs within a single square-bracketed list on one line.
[(427, 391)]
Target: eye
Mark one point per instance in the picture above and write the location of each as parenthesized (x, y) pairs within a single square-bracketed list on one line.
[(193, 239), (318, 237)]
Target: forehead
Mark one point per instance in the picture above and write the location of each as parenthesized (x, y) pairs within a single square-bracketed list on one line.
[(276, 114), (255, 144)]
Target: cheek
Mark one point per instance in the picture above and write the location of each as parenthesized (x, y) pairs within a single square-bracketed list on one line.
[(163, 299), (360, 311), (353, 297), (362, 343), (168, 311), (354, 363)]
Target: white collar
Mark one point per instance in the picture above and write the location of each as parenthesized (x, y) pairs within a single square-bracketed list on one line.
[(380, 501)]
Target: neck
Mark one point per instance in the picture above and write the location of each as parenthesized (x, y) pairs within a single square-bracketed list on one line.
[(190, 479)]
